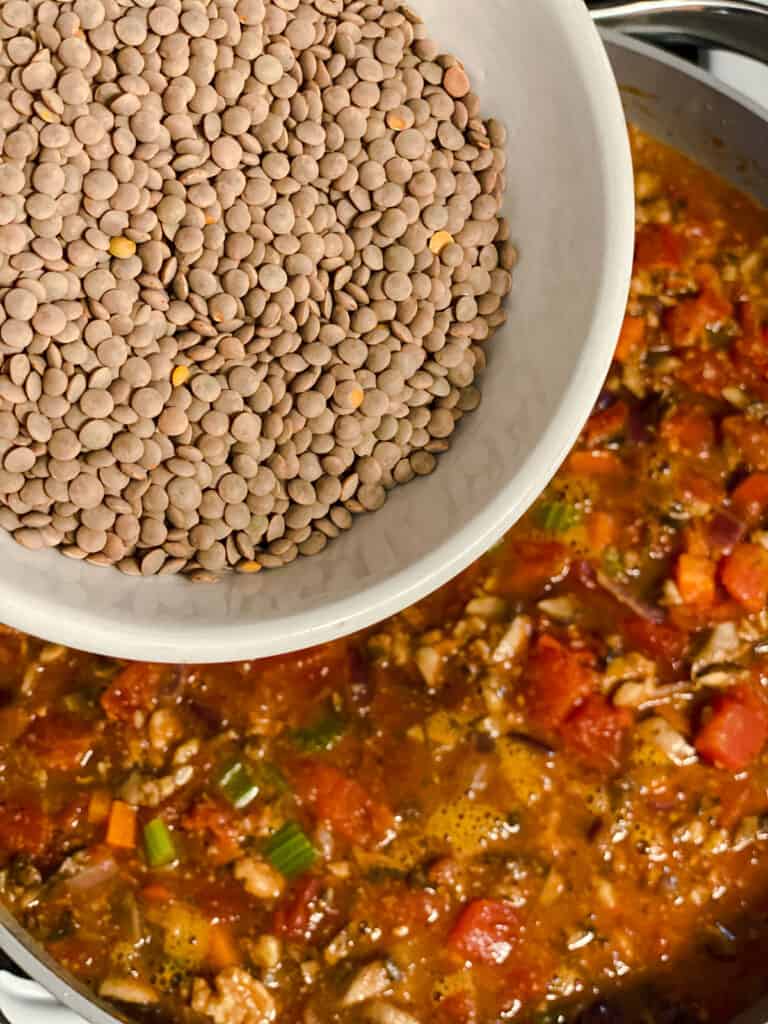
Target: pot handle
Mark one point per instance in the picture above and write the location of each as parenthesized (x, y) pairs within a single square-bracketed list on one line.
[(738, 25)]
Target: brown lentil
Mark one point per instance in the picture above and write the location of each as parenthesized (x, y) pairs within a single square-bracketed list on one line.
[(244, 249)]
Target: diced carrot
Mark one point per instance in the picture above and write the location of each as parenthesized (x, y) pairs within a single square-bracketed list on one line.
[(749, 438), (594, 463), (736, 730), (750, 498), (631, 339), (121, 828), (156, 892), (695, 578), (596, 733), (133, 689), (99, 806), (658, 247), (556, 678), (696, 540), (222, 948), (601, 530), (485, 931), (689, 430), (606, 424), (744, 574)]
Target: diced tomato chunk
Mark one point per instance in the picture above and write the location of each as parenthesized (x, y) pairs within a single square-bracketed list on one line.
[(24, 828), (749, 319), (606, 424), (557, 679), (658, 247), (133, 689), (341, 802), (219, 898), (744, 574), (693, 486), (750, 498), (527, 566), (695, 578), (631, 339), (485, 931), (736, 731), (749, 438), (60, 741), (656, 639), (689, 430), (596, 733), (457, 1008), (294, 918), (526, 979), (687, 321), (14, 719), (219, 824), (594, 463), (705, 371), (311, 666)]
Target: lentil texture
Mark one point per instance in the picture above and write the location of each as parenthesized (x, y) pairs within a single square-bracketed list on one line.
[(250, 256), (539, 795)]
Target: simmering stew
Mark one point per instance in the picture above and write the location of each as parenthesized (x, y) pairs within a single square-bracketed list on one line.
[(540, 794)]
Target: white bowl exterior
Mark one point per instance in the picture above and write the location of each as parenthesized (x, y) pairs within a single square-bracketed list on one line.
[(539, 66)]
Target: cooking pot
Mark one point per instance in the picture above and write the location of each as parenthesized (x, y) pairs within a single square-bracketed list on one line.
[(673, 101)]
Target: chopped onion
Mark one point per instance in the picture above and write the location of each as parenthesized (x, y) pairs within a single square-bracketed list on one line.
[(93, 874), (725, 531), (723, 646), (514, 643), (623, 594), (128, 990), (669, 741), (371, 980)]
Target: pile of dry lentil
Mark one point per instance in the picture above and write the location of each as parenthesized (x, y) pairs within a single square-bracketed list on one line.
[(250, 255)]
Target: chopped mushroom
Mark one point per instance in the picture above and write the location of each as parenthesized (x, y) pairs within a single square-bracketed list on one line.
[(668, 740), (381, 1012), (259, 878), (147, 791), (636, 676), (722, 647), (371, 980), (128, 990), (560, 609), (239, 998), (163, 728), (514, 643)]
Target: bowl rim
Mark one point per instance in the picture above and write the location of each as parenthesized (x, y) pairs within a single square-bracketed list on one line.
[(47, 617)]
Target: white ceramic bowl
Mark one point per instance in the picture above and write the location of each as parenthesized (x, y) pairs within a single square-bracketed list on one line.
[(539, 66)]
